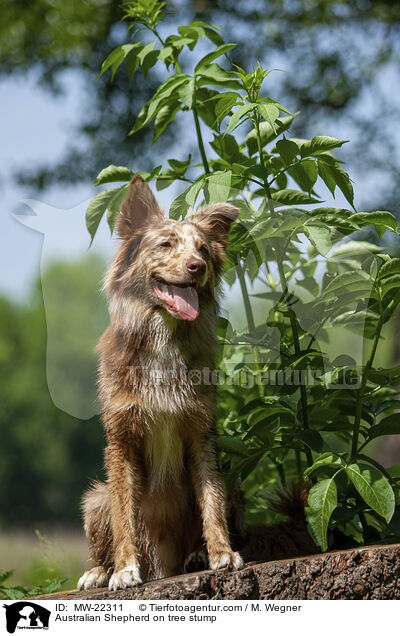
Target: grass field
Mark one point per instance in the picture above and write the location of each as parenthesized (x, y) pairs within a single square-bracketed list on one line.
[(39, 557)]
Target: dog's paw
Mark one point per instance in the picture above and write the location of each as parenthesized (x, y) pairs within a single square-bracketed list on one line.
[(96, 577), (127, 577), (196, 561), (225, 559)]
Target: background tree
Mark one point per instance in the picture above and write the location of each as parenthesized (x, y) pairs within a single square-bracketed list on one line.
[(345, 56)]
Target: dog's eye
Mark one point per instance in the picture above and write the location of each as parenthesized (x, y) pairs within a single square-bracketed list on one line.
[(165, 244), (204, 250)]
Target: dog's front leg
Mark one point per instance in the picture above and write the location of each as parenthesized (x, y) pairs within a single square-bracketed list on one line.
[(125, 487), (210, 494)]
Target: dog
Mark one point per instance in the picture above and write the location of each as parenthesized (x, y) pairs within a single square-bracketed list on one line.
[(164, 501)]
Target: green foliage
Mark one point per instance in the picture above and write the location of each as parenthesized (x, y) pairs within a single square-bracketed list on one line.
[(12, 592), (303, 412)]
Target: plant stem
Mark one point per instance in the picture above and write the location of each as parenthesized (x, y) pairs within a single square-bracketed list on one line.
[(285, 291), (246, 299), (239, 268), (249, 317), (298, 461), (200, 141), (361, 391), (280, 470)]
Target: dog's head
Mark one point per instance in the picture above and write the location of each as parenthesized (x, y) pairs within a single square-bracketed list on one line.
[(166, 264)]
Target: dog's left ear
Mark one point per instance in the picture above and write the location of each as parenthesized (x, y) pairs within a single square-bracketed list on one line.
[(215, 221)]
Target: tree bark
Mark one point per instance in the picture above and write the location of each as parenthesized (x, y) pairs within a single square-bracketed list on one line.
[(362, 573)]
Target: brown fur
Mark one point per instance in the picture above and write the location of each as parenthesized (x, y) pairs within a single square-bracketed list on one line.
[(164, 497)]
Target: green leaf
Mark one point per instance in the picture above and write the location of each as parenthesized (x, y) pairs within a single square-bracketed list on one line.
[(179, 167), (192, 193), (340, 218), (287, 150), (268, 412), (232, 445), (166, 53), (305, 173), (268, 100), (336, 173), (389, 283), (317, 145), (149, 61), (245, 466), (164, 117), (374, 488), (388, 268), (161, 97), (219, 185), (321, 502), (145, 51), (116, 57), (238, 114), (380, 219), (270, 113), (113, 173), (311, 438), (292, 197), (352, 249), (346, 280), (225, 103), (324, 460), (114, 206), (132, 64), (217, 76), (351, 528), (388, 426), (186, 93), (320, 237), (179, 207), (213, 36), (207, 59), (148, 176), (261, 431), (267, 133), (111, 199), (327, 177), (394, 471), (227, 147), (310, 284)]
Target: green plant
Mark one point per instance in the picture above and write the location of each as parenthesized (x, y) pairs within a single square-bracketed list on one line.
[(13, 592), (319, 413)]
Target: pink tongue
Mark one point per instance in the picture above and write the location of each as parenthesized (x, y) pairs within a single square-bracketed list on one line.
[(184, 301)]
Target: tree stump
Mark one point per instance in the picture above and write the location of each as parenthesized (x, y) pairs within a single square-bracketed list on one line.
[(362, 573)]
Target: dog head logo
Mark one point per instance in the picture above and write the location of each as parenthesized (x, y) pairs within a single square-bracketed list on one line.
[(26, 615), (75, 311)]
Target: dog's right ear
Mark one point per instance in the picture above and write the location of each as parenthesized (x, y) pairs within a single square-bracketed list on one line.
[(138, 210)]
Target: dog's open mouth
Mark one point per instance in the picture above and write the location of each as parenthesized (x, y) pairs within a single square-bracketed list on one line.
[(181, 300)]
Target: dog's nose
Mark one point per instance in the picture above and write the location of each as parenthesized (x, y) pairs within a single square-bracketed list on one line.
[(196, 266)]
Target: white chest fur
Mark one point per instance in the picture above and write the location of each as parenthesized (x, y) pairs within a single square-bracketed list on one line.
[(163, 451)]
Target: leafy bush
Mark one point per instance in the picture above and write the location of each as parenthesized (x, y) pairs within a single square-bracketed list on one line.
[(12, 592), (304, 413)]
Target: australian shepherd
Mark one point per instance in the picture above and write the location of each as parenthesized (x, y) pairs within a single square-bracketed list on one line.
[(163, 502)]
